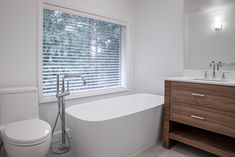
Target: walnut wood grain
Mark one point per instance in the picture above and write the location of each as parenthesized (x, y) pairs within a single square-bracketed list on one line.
[(213, 120), (218, 97), (213, 143), (208, 108), (167, 125)]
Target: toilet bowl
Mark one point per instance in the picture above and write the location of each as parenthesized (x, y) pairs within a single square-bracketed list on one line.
[(28, 138), (22, 132)]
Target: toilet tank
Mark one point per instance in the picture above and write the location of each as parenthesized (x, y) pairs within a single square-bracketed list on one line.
[(18, 104)]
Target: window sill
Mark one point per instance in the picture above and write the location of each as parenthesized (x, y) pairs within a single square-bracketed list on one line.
[(84, 94)]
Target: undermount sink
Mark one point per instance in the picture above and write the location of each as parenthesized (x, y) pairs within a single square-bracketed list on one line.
[(213, 80)]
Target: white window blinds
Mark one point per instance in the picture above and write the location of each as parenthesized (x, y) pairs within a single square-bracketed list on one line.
[(77, 44)]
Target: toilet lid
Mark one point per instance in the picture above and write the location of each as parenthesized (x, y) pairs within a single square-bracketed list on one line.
[(28, 132)]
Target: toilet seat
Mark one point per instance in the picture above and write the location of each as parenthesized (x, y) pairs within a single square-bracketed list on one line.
[(27, 133)]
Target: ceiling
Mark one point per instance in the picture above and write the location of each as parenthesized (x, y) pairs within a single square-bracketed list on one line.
[(192, 6)]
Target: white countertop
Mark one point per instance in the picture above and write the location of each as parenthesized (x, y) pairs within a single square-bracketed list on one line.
[(229, 82)]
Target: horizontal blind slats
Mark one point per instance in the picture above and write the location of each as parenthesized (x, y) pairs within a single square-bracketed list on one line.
[(76, 44)]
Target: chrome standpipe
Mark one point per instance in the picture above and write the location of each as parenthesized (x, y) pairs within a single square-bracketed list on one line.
[(64, 146), (60, 95)]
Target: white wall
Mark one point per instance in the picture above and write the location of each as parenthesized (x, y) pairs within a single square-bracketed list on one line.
[(18, 46), (204, 44), (158, 43), (18, 43), (120, 9)]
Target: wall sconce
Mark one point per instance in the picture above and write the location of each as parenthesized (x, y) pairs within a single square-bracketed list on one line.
[(218, 26)]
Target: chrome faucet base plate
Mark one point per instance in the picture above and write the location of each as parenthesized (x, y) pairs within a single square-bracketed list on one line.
[(64, 147)]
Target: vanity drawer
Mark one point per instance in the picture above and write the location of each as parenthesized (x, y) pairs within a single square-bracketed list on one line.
[(212, 96), (205, 118)]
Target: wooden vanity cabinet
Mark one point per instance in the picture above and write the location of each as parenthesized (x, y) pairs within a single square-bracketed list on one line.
[(200, 115)]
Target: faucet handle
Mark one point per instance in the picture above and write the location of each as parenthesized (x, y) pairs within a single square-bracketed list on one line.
[(205, 74), (224, 75), (219, 65), (212, 63)]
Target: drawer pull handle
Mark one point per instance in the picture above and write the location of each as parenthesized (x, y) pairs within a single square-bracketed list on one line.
[(197, 117), (196, 94)]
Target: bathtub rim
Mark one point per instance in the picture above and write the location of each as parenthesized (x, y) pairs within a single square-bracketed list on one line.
[(103, 120)]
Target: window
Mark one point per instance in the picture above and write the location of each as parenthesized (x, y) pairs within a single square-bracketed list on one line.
[(89, 46)]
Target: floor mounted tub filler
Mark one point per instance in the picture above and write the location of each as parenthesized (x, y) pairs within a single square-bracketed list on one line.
[(117, 127)]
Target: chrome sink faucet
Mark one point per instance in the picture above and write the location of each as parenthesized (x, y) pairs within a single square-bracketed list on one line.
[(213, 65), (60, 95), (219, 65)]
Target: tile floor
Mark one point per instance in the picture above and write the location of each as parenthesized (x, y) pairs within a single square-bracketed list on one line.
[(180, 150)]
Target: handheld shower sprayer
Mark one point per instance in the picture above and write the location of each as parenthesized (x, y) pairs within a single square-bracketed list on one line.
[(60, 95)]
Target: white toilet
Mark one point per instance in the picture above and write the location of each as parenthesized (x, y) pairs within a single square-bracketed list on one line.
[(22, 132)]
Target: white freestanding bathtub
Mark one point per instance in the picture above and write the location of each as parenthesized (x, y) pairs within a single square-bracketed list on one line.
[(117, 127)]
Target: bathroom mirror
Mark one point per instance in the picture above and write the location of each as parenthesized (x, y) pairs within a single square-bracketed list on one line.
[(209, 33)]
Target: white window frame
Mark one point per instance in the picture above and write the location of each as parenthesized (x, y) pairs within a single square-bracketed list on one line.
[(50, 4)]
